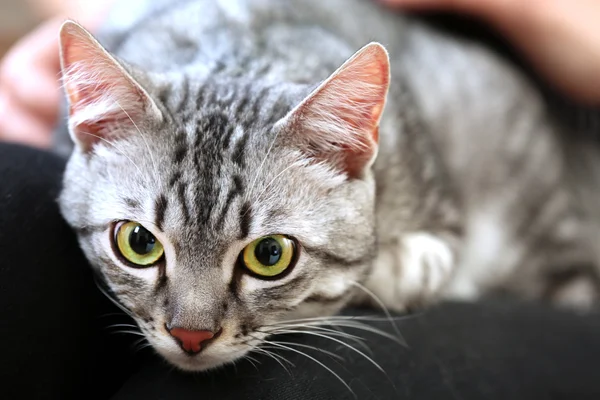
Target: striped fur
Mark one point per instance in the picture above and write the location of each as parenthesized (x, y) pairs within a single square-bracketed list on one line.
[(245, 138)]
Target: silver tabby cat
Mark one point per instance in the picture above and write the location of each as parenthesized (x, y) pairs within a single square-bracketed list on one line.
[(234, 168)]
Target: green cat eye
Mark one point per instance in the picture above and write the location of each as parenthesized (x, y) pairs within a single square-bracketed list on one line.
[(137, 244), (269, 256)]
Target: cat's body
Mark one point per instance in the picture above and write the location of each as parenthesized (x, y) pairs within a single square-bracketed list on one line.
[(466, 195)]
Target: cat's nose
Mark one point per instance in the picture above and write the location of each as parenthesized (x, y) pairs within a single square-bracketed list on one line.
[(191, 341)]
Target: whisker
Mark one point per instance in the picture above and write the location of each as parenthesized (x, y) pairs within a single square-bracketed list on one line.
[(115, 302), (140, 344), (142, 135), (122, 326), (360, 341), (342, 343), (349, 322), (320, 328), (118, 149), (263, 348), (135, 333), (273, 180), (319, 363), (370, 318), (306, 346), (336, 332), (113, 314), (252, 361), (143, 346), (368, 328), (259, 170), (275, 357), (383, 307)]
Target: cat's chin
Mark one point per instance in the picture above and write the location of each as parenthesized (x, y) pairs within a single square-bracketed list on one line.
[(200, 362)]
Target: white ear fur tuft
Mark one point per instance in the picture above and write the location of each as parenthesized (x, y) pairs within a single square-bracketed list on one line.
[(339, 120), (102, 95)]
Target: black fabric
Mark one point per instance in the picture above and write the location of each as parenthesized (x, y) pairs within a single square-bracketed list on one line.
[(52, 318), (497, 350), (54, 343)]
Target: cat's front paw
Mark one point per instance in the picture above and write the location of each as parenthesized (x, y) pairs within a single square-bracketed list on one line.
[(426, 261), (412, 272)]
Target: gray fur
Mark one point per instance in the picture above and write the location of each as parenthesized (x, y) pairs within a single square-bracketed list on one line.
[(468, 168)]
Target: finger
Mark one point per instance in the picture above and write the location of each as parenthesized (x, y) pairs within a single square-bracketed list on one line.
[(30, 71), (35, 92), (21, 127)]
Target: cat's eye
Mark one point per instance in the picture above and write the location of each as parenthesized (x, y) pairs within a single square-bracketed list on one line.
[(269, 256), (137, 244)]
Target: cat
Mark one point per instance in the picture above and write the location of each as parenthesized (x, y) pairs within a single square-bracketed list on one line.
[(239, 164)]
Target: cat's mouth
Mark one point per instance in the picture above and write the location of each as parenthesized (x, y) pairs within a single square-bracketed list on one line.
[(208, 342), (215, 352), (202, 361)]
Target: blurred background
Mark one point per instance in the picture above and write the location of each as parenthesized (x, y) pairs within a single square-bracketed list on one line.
[(17, 17)]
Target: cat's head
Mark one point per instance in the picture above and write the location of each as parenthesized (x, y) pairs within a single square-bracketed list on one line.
[(211, 217)]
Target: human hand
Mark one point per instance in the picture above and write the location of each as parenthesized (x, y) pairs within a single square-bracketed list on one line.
[(561, 38), (30, 90)]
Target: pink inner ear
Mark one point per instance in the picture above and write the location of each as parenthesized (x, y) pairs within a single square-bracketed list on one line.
[(366, 78), (102, 96), (341, 117)]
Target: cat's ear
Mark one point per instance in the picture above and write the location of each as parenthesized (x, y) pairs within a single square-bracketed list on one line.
[(104, 99), (338, 122)]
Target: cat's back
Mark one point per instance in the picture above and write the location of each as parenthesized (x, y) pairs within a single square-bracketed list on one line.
[(164, 36)]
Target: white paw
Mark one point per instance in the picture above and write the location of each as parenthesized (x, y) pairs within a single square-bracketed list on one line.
[(578, 294), (426, 262), (413, 271)]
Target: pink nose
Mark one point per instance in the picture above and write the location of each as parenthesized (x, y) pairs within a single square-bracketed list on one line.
[(190, 341)]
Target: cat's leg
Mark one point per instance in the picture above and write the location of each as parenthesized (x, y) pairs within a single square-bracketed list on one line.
[(548, 259), (412, 270)]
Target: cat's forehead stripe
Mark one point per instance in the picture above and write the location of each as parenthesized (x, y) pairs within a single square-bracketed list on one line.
[(228, 136), (181, 189), (245, 220), (181, 147), (237, 189), (250, 104), (132, 203), (239, 150), (160, 209), (175, 178)]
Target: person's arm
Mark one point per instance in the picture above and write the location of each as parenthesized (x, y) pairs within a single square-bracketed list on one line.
[(561, 38)]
